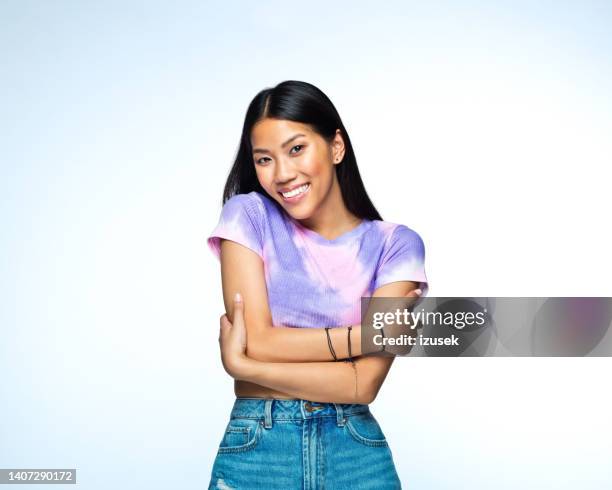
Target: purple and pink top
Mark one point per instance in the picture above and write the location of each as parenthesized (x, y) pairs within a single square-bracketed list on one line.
[(314, 282)]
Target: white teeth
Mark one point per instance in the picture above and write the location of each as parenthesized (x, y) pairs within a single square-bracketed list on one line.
[(295, 192)]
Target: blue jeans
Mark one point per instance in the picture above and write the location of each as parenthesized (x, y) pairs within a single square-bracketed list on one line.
[(297, 444)]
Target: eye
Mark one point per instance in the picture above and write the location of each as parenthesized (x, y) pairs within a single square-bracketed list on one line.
[(260, 162), (297, 146)]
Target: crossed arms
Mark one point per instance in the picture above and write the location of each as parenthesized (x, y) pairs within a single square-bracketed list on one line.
[(296, 361)]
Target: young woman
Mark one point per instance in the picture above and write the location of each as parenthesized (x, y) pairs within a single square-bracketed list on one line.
[(300, 242)]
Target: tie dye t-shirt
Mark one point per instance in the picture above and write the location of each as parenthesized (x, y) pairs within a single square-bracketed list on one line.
[(313, 281)]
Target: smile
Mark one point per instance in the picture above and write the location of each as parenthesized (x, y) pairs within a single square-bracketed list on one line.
[(295, 194)]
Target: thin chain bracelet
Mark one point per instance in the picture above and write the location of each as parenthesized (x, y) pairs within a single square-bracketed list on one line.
[(329, 344), (351, 360), (350, 356)]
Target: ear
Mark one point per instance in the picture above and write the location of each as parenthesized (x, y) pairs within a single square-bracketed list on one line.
[(338, 148)]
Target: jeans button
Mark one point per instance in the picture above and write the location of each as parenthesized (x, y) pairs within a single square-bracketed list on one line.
[(308, 406)]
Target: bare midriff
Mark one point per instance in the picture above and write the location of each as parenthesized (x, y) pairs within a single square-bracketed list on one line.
[(252, 390)]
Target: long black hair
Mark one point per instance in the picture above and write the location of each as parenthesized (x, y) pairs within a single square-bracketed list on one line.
[(304, 103)]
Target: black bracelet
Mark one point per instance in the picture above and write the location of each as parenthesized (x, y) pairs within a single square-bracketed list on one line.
[(329, 343), (350, 356), (382, 332)]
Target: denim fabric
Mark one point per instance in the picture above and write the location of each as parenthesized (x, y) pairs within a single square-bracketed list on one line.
[(298, 444)]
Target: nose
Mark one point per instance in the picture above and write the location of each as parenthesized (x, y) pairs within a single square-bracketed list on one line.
[(284, 172)]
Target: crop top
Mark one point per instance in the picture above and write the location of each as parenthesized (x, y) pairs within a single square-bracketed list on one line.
[(313, 281)]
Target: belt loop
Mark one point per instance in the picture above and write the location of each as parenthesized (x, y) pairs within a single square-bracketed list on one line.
[(302, 402), (268, 413), (339, 415)]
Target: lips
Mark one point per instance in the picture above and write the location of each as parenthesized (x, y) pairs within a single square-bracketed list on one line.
[(293, 187), (294, 193)]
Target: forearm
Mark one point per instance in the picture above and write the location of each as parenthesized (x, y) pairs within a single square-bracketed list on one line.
[(330, 382), (288, 344)]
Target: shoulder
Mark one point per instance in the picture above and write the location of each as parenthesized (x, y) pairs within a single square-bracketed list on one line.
[(250, 202), (399, 236), (408, 235), (245, 206), (242, 221), (403, 257)]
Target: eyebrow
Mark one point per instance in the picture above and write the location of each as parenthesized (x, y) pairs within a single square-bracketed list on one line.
[(262, 150)]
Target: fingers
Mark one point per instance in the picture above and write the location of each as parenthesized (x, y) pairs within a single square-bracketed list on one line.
[(224, 322), (224, 327), (412, 297), (238, 310), (238, 301)]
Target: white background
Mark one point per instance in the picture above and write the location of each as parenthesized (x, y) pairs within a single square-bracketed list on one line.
[(484, 126)]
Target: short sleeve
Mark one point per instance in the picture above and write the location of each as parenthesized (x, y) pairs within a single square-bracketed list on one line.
[(403, 259), (241, 222)]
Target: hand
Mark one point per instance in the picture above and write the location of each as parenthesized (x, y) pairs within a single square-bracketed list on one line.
[(415, 293), (233, 342), (389, 304), (409, 302), (410, 299)]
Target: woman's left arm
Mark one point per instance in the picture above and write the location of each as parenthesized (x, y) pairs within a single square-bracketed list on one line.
[(331, 382)]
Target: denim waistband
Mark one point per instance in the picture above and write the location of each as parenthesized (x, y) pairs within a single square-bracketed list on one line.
[(269, 409)]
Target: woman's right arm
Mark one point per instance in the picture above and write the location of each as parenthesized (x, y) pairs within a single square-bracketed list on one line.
[(242, 271), (337, 382)]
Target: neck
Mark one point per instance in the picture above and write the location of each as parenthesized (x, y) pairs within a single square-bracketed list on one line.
[(332, 218)]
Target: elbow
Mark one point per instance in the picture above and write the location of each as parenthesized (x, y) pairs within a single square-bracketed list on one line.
[(367, 396)]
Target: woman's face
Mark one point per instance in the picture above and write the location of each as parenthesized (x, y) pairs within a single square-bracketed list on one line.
[(295, 165)]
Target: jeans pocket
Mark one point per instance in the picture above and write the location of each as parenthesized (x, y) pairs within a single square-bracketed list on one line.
[(365, 429), (240, 435)]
